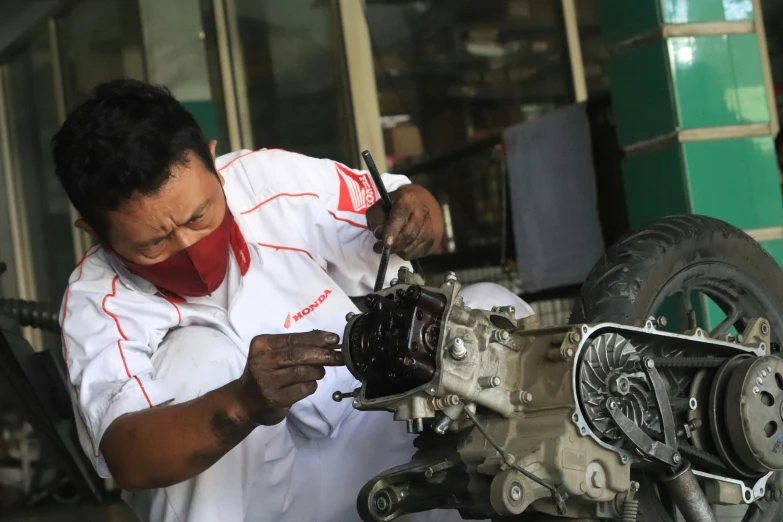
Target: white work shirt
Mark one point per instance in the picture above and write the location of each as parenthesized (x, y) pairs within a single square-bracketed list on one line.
[(307, 250)]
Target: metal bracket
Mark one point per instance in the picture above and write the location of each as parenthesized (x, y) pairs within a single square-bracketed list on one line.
[(662, 400), (749, 495), (648, 447)]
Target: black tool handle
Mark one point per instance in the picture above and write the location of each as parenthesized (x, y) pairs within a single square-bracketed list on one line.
[(376, 178)]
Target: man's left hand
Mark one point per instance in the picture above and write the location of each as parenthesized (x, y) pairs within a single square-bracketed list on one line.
[(413, 226)]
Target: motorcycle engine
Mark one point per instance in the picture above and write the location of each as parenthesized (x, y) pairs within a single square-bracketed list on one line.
[(513, 418)]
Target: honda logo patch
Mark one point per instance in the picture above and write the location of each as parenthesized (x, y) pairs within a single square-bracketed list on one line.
[(357, 192)]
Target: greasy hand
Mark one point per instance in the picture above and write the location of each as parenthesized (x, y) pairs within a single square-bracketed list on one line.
[(282, 370), (412, 228)]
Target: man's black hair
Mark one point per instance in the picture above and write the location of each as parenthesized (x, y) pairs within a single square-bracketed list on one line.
[(123, 140)]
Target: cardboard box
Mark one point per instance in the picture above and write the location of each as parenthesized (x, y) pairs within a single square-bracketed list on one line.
[(395, 102), (406, 141)]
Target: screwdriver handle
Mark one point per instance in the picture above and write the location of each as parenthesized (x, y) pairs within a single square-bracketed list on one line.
[(386, 198)]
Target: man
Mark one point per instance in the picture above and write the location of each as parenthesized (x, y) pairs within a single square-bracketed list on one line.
[(196, 331)]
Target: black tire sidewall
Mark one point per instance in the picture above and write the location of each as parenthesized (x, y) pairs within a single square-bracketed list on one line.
[(626, 282)]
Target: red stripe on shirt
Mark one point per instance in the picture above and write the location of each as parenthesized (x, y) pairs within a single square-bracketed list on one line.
[(65, 345), (293, 249), (124, 337), (359, 225), (277, 196), (224, 167), (103, 305), (65, 303), (143, 391)]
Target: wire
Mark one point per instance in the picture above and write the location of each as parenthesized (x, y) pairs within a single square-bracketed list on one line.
[(558, 494)]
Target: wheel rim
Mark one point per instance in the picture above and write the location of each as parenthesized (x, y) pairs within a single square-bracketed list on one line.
[(740, 299), (733, 291)]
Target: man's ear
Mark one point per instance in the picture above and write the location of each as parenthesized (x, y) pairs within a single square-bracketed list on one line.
[(212, 148), (81, 224)]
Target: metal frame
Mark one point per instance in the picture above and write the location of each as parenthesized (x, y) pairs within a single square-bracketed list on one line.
[(575, 50), (81, 241), (17, 215), (232, 73), (226, 75), (361, 79)]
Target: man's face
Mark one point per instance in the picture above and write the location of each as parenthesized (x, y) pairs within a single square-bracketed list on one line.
[(148, 229)]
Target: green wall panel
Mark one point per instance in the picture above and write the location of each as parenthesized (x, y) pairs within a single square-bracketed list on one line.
[(737, 10), (700, 11), (642, 100), (735, 180), (655, 185), (622, 19), (718, 80), (745, 56)]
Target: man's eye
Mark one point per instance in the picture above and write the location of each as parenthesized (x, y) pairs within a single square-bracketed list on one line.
[(196, 219)]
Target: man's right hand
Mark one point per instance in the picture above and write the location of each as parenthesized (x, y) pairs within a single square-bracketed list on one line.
[(282, 370)]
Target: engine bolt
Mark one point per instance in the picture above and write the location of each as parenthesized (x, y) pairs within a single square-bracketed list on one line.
[(662, 322), (526, 397), (759, 380), (756, 390), (393, 282), (381, 503), (502, 335), (515, 492), (676, 458), (349, 316), (458, 350), (650, 363), (441, 403), (451, 276), (764, 328), (490, 381), (769, 369), (763, 373), (612, 405), (575, 337)]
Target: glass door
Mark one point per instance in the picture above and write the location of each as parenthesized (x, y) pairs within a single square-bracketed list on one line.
[(289, 85), (38, 211)]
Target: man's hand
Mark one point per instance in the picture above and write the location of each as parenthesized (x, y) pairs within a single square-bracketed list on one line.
[(413, 226), (282, 370), (162, 446)]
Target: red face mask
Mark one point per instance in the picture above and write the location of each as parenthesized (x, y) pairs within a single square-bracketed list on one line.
[(196, 271)]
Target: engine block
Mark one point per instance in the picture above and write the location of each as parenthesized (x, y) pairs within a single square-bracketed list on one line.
[(514, 418)]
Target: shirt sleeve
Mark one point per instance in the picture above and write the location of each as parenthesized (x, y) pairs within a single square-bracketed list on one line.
[(107, 352)]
